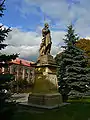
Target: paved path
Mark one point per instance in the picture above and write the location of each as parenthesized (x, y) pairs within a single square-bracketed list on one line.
[(20, 97)]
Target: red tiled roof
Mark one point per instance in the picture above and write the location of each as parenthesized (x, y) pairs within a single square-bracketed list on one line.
[(22, 61)]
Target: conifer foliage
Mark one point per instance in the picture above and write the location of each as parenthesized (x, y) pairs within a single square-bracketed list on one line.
[(72, 67), (4, 59)]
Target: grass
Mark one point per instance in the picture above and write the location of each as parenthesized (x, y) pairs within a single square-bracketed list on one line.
[(77, 110), (80, 100)]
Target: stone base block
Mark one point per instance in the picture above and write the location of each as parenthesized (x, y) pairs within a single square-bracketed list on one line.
[(45, 59), (45, 99)]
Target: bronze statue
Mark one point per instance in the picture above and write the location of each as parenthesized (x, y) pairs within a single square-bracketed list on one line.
[(45, 46)]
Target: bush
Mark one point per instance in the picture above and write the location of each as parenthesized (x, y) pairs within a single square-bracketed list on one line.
[(21, 86)]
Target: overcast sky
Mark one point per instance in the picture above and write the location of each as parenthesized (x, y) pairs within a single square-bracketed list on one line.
[(26, 17)]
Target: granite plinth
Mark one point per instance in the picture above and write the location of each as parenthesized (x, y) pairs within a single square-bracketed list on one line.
[(45, 91), (45, 99), (45, 60), (46, 69)]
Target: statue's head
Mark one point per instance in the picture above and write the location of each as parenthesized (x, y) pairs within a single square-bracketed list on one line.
[(46, 25)]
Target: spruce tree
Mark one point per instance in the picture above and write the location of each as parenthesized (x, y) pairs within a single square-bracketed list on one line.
[(72, 67), (4, 59)]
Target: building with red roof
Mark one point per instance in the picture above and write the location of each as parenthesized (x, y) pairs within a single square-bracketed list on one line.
[(22, 69)]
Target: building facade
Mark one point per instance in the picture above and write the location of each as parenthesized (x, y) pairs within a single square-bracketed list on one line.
[(22, 69)]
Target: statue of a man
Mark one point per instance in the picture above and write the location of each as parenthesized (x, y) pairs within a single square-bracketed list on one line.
[(45, 46)]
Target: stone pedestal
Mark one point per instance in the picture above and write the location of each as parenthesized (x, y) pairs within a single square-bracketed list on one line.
[(45, 91), (46, 60), (46, 66), (45, 99)]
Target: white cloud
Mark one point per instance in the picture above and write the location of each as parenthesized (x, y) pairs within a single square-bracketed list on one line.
[(88, 37), (57, 37), (59, 11), (17, 37), (64, 12), (28, 43)]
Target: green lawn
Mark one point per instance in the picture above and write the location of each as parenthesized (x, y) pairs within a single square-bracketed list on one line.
[(73, 111), (83, 100)]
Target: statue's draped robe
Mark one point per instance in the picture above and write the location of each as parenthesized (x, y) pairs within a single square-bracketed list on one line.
[(45, 46)]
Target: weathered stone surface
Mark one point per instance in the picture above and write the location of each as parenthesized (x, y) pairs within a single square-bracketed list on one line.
[(45, 90), (46, 66), (45, 99), (46, 60), (44, 86)]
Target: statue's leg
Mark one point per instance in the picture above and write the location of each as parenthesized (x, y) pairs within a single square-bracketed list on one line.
[(48, 49), (47, 52)]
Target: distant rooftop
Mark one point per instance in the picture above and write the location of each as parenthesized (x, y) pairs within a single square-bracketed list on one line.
[(22, 61)]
